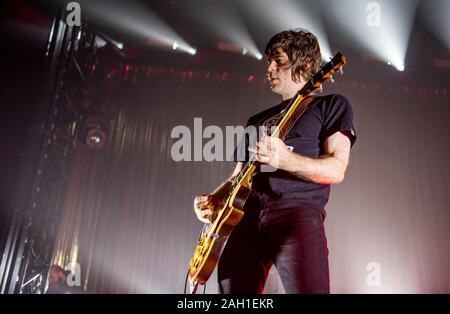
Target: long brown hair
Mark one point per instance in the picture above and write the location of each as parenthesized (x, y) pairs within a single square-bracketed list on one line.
[(302, 48)]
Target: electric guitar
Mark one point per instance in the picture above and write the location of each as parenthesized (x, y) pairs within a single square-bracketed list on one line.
[(215, 234)]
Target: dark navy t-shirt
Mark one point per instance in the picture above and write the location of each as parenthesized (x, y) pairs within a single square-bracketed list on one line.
[(324, 116)]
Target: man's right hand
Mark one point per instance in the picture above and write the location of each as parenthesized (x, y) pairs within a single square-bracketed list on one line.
[(204, 206)]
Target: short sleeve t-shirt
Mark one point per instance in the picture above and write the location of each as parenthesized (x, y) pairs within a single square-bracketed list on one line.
[(324, 116)]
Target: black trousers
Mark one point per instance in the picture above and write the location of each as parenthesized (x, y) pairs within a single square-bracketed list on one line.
[(291, 239)]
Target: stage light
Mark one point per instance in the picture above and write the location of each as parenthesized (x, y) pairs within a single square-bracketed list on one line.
[(192, 51), (383, 29), (94, 131), (95, 138), (183, 47), (255, 54), (136, 19), (93, 125), (399, 66), (101, 40)]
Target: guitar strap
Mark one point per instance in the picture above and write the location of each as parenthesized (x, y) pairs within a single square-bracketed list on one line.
[(273, 120)]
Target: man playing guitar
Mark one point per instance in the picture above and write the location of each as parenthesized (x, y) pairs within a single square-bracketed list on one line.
[(284, 217)]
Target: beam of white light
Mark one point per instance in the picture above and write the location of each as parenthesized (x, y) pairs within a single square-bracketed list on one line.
[(288, 14), (436, 14), (225, 20), (137, 19), (102, 39), (388, 37)]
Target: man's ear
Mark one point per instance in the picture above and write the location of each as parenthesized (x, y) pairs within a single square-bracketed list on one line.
[(306, 65), (299, 77)]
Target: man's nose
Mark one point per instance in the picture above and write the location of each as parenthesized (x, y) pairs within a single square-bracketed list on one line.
[(272, 66)]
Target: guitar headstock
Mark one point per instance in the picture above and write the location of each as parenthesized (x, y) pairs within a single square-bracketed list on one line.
[(325, 73)]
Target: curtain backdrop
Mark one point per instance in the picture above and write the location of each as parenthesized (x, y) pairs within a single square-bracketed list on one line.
[(127, 216)]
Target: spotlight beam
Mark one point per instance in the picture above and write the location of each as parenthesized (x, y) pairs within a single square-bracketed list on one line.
[(226, 21), (436, 14), (137, 19), (388, 38), (288, 14)]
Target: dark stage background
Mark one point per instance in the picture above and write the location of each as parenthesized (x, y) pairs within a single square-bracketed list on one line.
[(127, 216)]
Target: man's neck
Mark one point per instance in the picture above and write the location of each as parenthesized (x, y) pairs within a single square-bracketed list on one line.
[(293, 92), (287, 96)]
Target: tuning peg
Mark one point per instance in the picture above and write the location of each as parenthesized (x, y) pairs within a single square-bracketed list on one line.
[(341, 71), (320, 89), (332, 79)]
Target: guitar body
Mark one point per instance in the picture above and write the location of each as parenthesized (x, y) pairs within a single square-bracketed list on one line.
[(215, 237)]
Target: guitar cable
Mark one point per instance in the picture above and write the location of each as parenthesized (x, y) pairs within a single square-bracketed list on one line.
[(185, 284)]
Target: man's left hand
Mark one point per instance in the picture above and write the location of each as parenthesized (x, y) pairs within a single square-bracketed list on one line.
[(272, 151)]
